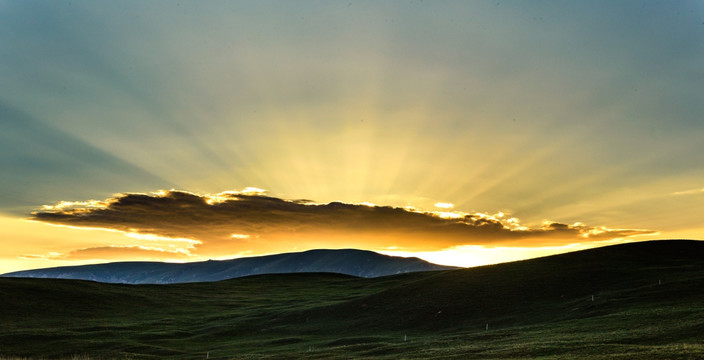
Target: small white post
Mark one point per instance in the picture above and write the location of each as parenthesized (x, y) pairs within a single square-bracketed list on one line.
[(405, 338), (659, 282), (592, 297), (487, 326), (207, 355)]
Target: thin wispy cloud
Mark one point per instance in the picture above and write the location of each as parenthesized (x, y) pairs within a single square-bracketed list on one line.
[(689, 192), (234, 222), (111, 252)]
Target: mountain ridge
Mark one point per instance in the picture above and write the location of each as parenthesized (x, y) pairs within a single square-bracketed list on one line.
[(354, 262)]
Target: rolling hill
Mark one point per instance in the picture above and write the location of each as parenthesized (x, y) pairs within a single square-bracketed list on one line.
[(346, 261), (632, 301)]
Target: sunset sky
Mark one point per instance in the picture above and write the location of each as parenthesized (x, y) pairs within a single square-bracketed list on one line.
[(465, 132)]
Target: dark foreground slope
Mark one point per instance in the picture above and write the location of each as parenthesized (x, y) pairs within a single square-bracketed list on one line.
[(550, 288), (346, 261), (648, 303)]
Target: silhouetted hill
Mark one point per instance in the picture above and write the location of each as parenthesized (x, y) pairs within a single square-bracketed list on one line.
[(347, 261)]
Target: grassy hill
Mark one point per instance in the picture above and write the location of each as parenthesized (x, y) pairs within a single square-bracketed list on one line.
[(648, 302)]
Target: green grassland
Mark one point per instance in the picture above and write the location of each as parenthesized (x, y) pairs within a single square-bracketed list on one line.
[(648, 303)]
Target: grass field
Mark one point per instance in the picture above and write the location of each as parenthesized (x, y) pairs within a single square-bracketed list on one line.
[(635, 301)]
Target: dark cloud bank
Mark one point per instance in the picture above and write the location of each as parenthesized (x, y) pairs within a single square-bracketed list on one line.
[(238, 222)]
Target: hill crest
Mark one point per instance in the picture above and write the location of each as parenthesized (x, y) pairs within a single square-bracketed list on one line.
[(360, 263)]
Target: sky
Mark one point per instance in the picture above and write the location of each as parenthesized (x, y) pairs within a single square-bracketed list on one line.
[(464, 133)]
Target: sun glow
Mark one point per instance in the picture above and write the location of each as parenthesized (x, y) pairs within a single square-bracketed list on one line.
[(240, 236), (219, 198), (250, 190), (68, 205), (448, 214), (443, 205), (152, 237), (477, 255), (216, 199), (170, 250), (367, 204)]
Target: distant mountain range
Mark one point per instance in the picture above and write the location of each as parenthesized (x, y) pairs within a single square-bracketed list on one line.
[(353, 262)]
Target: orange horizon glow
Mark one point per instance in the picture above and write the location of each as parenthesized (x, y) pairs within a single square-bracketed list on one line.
[(83, 244), (34, 255)]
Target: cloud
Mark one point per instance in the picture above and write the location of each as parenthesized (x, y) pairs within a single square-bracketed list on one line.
[(118, 252), (37, 256), (232, 222), (689, 192)]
